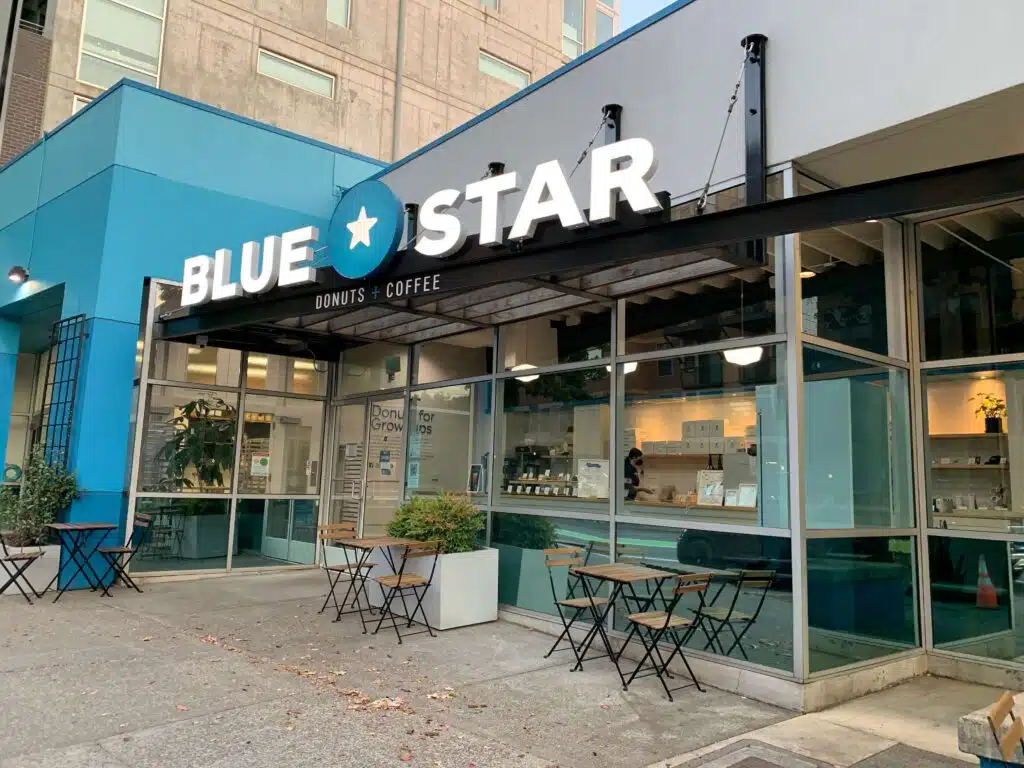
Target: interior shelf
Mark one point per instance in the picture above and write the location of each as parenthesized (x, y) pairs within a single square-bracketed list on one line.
[(968, 436)]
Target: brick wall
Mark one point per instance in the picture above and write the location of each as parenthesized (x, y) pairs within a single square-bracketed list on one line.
[(27, 95)]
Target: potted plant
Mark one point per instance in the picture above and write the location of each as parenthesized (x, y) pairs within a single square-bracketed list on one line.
[(464, 587), (46, 490), (993, 409), (521, 541)]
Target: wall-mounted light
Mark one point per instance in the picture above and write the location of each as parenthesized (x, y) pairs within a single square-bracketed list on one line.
[(17, 274), (743, 355), (627, 368), (525, 367)]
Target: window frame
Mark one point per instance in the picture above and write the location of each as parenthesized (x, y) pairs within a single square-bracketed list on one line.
[(162, 18), (260, 52), (581, 42), (348, 14), (482, 54), (603, 10), (79, 102)]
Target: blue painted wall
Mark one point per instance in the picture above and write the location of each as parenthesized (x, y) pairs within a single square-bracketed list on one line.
[(127, 189)]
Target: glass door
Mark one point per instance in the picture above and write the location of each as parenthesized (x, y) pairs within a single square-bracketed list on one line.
[(349, 464), (385, 464)]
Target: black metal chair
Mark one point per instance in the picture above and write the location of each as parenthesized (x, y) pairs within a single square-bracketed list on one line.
[(659, 624), (401, 584), (569, 557), (729, 617), (15, 564), (120, 558)]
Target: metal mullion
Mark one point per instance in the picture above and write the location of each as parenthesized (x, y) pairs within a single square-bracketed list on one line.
[(698, 349), (277, 496), (239, 431), (615, 483), (855, 352), (550, 512), (946, 533), (193, 385), (328, 456), (275, 393), (686, 524), (181, 495), (493, 437), (382, 394), (559, 368), (874, 532), (453, 382), (140, 411), (970, 362)]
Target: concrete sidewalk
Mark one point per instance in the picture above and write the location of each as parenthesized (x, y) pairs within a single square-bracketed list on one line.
[(242, 671)]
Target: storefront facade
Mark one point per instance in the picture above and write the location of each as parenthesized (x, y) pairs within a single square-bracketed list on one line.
[(820, 369)]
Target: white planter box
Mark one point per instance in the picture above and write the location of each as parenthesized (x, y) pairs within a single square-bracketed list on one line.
[(464, 589), (40, 573)]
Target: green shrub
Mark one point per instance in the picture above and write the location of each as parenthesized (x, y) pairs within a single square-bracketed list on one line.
[(449, 518), (47, 488)]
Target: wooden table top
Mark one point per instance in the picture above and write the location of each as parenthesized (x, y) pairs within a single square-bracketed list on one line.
[(376, 541), (623, 573), (82, 526)]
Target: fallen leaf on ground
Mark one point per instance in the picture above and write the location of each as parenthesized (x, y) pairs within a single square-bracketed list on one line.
[(406, 757), (181, 707), (146, 639), (477, 706), (438, 696), (387, 703), (605, 706), (211, 639)]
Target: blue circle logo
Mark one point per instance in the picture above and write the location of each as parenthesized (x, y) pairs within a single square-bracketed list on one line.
[(365, 230)]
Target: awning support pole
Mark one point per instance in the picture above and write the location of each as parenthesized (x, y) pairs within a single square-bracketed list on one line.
[(755, 134)]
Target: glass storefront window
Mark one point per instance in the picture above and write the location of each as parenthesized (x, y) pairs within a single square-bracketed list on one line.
[(275, 532), (574, 336), (281, 439), (974, 600), (185, 535), (844, 285), (21, 414), (769, 641), (974, 447), (856, 451), (553, 440), (172, 361), (455, 357), (373, 367), (188, 440), (704, 438), (521, 540), (972, 284), (277, 373), (861, 599), (449, 441)]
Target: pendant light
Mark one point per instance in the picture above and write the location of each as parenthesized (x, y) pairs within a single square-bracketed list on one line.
[(743, 355)]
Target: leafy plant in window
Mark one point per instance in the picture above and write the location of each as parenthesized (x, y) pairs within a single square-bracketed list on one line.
[(47, 488), (992, 408), (524, 531), (448, 517), (202, 448)]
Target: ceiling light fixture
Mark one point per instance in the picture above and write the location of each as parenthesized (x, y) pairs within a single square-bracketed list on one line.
[(627, 368), (525, 367), (17, 274), (743, 355), (871, 221), (805, 273)]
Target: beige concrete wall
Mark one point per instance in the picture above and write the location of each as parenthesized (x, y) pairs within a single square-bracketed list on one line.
[(210, 52)]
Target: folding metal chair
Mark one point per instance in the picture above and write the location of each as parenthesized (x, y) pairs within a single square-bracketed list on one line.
[(355, 571), (402, 583), (659, 624), (568, 557), (119, 558), (721, 617), (15, 564)]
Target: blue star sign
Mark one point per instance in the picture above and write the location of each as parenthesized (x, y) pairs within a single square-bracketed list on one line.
[(365, 231)]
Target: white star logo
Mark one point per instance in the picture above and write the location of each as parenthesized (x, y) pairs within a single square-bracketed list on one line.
[(360, 229)]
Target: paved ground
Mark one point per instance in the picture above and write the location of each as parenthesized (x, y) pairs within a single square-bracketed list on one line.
[(241, 671)]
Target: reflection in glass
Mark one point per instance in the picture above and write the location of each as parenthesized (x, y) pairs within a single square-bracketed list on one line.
[(857, 463), (553, 439), (843, 283), (449, 441), (281, 438), (349, 463), (706, 439), (455, 357), (861, 599), (304, 376), (971, 278), (188, 440), (974, 600), (570, 337), (172, 361), (385, 464), (275, 532), (974, 446), (185, 535), (521, 541), (769, 641), (373, 367)]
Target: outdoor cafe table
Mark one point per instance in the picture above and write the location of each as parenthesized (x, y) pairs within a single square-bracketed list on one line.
[(623, 578), (80, 542), (364, 548)]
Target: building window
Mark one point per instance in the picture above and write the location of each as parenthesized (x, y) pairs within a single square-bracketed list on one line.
[(492, 4), (121, 38), (604, 27), (339, 12), (78, 103), (495, 67), (294, 73), (572, 28)]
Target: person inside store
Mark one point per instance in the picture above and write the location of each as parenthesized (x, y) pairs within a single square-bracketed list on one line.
[(633, 471)]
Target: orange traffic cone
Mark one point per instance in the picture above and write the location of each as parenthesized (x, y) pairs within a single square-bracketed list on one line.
[(986, 597)]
